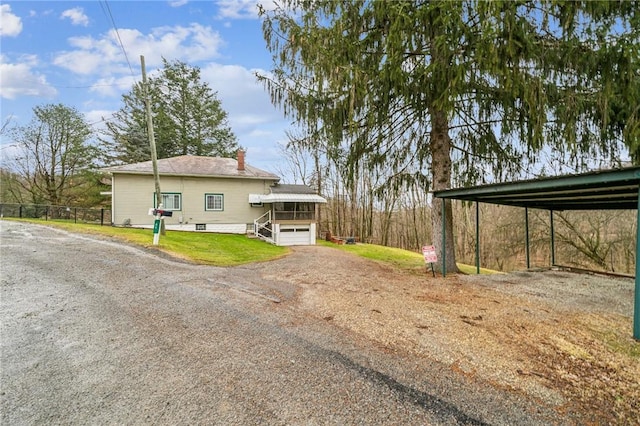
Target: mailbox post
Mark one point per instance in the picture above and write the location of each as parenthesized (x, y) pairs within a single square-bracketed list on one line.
[(159, 215)]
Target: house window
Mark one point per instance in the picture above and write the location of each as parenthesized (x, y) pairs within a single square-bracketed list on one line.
[(214, 202), (170, 200)]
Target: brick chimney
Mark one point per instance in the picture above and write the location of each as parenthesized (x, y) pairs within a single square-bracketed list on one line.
[(240, 160)]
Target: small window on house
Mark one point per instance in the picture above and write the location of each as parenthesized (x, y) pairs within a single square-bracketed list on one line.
[(214, 202), (170, 201)]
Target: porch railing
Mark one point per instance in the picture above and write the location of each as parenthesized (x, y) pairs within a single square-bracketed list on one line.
[(262, 227)]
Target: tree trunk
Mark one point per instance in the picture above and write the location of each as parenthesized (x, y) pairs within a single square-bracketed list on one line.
[(440, 144), (320, 190)]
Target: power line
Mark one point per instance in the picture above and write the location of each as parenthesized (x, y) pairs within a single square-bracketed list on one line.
[(107, 11), (84, 87)]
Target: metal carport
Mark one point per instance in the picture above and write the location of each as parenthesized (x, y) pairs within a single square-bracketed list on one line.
[(616, 189)]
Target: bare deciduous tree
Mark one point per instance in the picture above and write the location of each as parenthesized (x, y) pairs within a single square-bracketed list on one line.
[(54, 154)]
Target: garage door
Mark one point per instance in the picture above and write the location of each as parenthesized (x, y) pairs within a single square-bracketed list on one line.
[(294, 235)]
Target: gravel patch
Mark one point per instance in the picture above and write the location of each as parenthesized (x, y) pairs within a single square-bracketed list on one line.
[(559, 337)]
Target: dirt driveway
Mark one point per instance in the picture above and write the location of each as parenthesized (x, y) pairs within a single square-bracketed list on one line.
[(484, 346), (563, 338), (99, 332)]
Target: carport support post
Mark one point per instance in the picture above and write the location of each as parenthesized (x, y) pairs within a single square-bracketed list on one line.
[(636, 306), (444, 238), (477, 238), (553, 242), (526, 236)]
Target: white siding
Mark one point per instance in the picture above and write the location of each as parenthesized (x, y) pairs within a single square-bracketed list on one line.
[(231, 228), (133, 195)]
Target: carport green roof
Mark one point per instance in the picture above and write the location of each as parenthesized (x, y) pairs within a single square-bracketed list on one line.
[(601, 190)]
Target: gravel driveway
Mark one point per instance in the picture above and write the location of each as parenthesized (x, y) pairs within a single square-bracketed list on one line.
[(97, 332)]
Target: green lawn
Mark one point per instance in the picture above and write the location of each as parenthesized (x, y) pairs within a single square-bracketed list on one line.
[(401, 259), (205, 248), (232, 249)]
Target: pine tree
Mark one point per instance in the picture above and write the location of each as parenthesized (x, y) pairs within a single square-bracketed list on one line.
[(468, 91), (187, 115)]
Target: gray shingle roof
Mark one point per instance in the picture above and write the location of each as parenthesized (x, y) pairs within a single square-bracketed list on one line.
[(190, 165), (292, 189)]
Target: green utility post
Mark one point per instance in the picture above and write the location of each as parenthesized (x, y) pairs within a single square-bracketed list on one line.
[(553, 241), (526, 235), (477, 238), (444, 239), (636, 306), (156, 227)]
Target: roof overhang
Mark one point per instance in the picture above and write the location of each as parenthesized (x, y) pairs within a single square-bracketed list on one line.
[(601, 190), (286, 198), (190, 175)]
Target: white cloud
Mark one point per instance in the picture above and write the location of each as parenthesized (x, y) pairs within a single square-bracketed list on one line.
[(178, 3), (243, 9), (104, 54), (80, 62), (18, 79), (76, 15), (259, 133), (257, 123), (10, 24), (112, 86), (242, 96), (96, 118), (9, 152)]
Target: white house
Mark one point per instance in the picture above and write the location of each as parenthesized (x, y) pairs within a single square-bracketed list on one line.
[(213, 194)]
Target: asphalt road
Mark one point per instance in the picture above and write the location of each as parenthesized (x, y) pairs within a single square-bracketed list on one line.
[(96, 332)]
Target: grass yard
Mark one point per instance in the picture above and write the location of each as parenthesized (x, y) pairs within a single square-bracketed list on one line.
[(399, 258), (204, 248), (233, 249)]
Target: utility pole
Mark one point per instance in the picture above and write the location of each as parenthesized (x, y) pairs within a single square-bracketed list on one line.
[(158, 224)]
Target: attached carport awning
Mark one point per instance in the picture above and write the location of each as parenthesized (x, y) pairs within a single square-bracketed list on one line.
[(616, 189), (286, 198)]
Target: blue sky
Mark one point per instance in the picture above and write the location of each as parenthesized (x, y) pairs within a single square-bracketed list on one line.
[(68, 52)]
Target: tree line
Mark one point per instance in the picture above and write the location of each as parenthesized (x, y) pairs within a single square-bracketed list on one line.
[(58, 153)]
